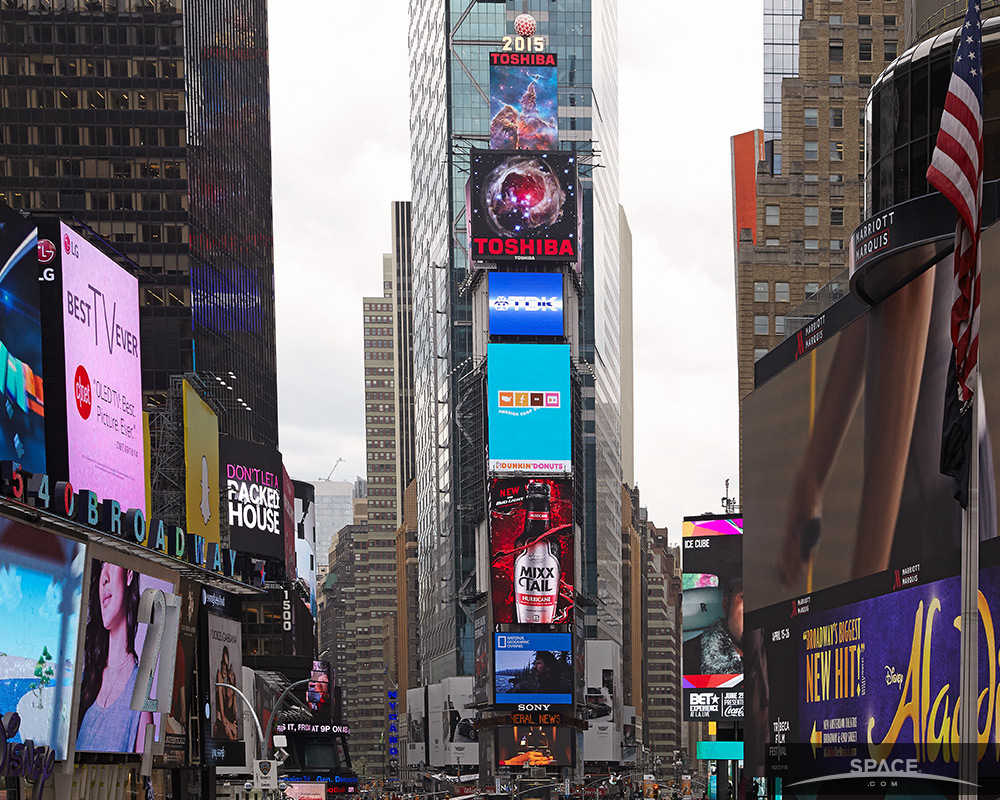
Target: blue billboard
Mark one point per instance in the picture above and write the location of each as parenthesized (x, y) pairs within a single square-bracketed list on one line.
[(526, 304), (529, 404), (533, 668)]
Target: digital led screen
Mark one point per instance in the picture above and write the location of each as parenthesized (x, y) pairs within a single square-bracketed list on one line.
[(114, 642), (712, 613), (526, 304), (524, 101), (318, 691), (41, 589), (533, 668), (22, 428), (529, 406), (201, 465), (103, 373), (535, 746), (531, 550), (225, 665), (523, 206), (252, 477)]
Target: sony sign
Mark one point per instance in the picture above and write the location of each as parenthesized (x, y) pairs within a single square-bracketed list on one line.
[(526, 303)]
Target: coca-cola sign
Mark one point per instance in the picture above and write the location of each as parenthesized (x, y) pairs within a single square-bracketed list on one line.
[(531, 543)]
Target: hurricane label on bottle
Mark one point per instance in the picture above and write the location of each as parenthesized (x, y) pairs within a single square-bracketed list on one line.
[(536, 569)]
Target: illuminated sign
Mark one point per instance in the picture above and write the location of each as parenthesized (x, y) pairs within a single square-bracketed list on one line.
[(522, 206), (720, 751), (305, 727), (533, 669), (252, 476), (526, 304), (23, 759), (529, 408), (524, 101), (392, 731)]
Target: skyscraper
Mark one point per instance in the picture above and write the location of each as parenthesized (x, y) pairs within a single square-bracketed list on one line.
[(449, 89), (148, 124)]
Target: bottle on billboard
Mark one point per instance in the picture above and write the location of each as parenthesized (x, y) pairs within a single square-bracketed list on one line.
[(536, 570)]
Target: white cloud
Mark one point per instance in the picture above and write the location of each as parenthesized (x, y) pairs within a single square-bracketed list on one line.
[(10, 589), (49, 608)]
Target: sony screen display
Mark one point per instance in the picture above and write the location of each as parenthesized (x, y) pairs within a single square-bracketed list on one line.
[(712, 614), (524, 101), (41, 587), (533, 668), (523, 206), (531, 550), (526, 304), (22, 428), (529, 406), (102, 373), (535, 746), (251, 476), (110, 718)]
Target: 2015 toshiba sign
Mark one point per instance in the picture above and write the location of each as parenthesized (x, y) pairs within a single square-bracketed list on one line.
[(252, 477)]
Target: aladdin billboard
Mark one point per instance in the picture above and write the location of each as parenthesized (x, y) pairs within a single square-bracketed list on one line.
[(523, 206)]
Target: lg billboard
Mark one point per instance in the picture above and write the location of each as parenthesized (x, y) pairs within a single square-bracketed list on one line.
[(526, 304), (529, 408)]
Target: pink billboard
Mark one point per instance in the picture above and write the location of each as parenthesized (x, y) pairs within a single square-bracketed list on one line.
[(103, 374)]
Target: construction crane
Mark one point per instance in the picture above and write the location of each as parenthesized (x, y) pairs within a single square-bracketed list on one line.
[(335, 465)]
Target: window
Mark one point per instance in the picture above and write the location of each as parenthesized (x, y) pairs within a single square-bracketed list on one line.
[(761, 326), (771, 215), (811, 151), (810, 178), (836, 215), (836, 244), (759, 353), (779, 326), (889, 20), (836, 80), (772, 242), (836, 50), (760, 292), (891, 49), (836, 19), (836, 118), (865, 80), (836, 151), (811, 117), (812, 215), (836, 178), (812, 244), (811, 289), (865, 50), (864, 19), (781, 292)]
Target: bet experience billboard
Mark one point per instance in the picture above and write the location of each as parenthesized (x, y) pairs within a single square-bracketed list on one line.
[(93, 368), (523, 206), (712, 613), (22, 428), (529, 408), (252, 477), (526, 304), (531, 550)]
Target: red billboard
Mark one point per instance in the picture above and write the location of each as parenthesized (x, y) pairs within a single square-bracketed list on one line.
[(531, 550)]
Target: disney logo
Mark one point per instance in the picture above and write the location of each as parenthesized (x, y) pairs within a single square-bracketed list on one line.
[(891, 677)]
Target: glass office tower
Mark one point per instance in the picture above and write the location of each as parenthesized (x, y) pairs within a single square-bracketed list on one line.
[(148, 123), (781, 57), (449, 94)]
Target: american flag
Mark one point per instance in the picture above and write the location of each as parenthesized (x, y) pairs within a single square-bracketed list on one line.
[(956, 171)]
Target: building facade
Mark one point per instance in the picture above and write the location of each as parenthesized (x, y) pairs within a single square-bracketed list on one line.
[(449, 82), (334, 509), (148, 125)]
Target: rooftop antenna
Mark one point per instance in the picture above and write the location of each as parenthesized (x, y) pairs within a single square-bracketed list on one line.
[(335, 465)]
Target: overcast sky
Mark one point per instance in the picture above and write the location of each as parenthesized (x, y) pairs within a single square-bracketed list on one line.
[(340, 128)]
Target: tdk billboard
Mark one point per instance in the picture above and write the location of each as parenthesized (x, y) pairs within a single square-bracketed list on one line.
[(526, 304), (529, 408)]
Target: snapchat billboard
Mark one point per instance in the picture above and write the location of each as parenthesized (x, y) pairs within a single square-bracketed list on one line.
[(201, 466)]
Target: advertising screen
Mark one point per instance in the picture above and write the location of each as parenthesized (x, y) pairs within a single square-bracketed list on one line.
[(526, 304), (524, 101), (529, 404), (534, 668), (201, 466), (531, 550), (712, 613), (462, 746), (416, 733), (225, 665), (22, 428), (603, 698), (288, 527), (535, 746), (41, 588), (438, 723), (103, 373), (523, 206), (481, 649), (178, 750), (318, 692), (252, 475), (114, 642)]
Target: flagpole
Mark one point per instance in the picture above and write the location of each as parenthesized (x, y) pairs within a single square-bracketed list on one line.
[(969, 680)]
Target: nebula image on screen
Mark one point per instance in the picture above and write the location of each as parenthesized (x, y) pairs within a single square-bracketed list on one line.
[(524, 106), (523, 196)]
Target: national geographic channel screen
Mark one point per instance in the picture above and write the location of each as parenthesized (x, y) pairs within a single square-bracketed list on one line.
[(712, 613)]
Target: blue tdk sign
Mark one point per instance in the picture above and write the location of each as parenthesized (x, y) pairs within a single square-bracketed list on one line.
[(526, 304)]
